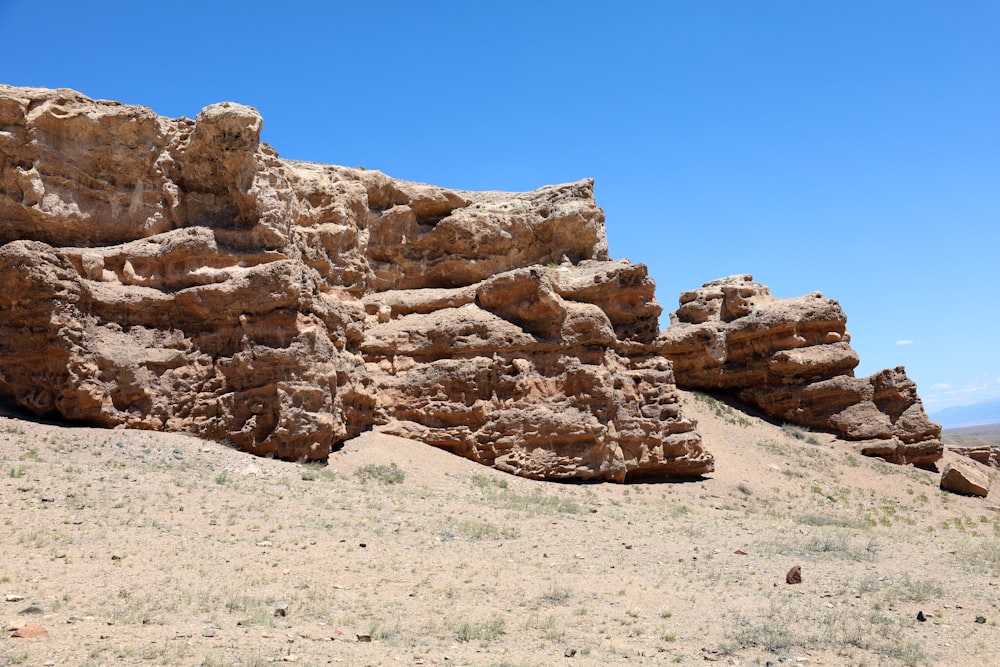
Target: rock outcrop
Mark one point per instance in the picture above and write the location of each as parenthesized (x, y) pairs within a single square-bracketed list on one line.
[(792, 359), (547, 372), (177, 274), (988, 455)]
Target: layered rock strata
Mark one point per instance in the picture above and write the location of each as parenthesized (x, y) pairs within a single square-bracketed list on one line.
[(792, 359), (177, 274), (547, 372)]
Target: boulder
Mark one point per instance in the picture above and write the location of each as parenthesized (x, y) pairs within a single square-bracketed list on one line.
[(177, 274), (965, 478), (792, 359)]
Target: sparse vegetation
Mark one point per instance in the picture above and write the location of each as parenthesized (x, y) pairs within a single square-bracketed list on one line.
[(780, 628), (477, 530), (381, 474), (799, 433), (723, 411), (486, 631), (451, 559), (487, 482)]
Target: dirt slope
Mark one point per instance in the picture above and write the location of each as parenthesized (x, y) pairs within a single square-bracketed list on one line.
[(137, 548)]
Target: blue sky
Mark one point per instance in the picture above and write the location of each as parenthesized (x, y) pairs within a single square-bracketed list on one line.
[(850, 147)]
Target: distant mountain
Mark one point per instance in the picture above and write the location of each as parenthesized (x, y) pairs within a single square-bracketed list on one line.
[(987, 412)]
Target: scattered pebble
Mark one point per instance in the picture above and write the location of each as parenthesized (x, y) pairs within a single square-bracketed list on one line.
[(980, 619), (281, 608), (921, 617)]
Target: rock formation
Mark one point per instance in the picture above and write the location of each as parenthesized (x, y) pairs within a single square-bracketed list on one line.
[(988, 455), (541, 371), (177, 274), (792, 359)]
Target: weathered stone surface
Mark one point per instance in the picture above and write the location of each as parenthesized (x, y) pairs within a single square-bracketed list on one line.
[(965, 478), (792, 359), (257, 358), (522, 375), (177, 274)]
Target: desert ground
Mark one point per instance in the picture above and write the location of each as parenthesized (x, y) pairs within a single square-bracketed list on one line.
[(143, 548)]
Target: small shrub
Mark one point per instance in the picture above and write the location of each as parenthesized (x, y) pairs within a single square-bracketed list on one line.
[(477, 530), (382, 474), (799, 433), (723, 411), (312, 472), (557, 595), (11, 428), (485, 482), (814, 519), (485, 631)]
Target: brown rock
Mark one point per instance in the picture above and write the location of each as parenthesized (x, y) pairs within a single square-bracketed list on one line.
[(792, 359), (794, 575), (531, 377), (965, 478), (988, 455), (177, 274), (30, 632)]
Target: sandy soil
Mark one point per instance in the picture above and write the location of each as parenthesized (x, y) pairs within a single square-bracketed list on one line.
[(138, 548)]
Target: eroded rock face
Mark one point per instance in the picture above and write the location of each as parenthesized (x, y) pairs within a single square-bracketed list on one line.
[(260, 357), (792, 359), (176, 274), (543, 372)]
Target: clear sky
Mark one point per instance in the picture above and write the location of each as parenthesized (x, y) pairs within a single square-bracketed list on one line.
[(850, 147)]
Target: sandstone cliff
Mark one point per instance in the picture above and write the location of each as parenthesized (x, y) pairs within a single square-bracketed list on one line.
[(793, 360), (178, 274)]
